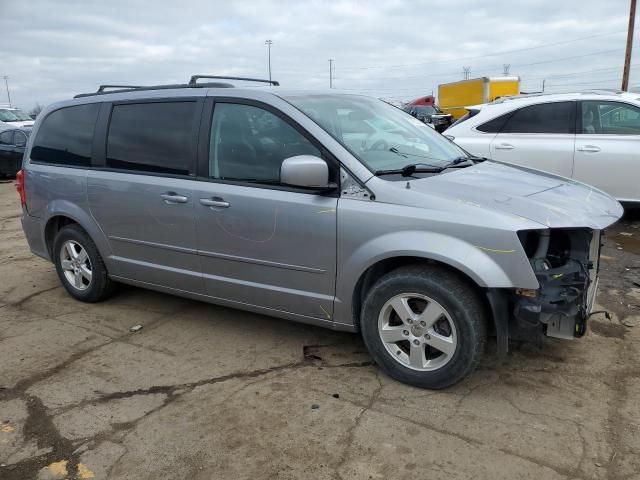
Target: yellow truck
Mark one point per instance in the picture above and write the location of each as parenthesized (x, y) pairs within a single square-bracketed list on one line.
[(453, 97)]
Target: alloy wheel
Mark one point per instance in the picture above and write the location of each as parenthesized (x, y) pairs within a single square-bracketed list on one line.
[(417, 331), (76, 265)]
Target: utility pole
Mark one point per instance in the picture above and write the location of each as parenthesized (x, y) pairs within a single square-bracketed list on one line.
[(627, 57), (268, 43), (6, 84), (466, 71), (331, 73)]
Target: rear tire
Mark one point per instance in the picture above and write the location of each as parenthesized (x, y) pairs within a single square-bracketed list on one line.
[(424, 326), (80, 266)]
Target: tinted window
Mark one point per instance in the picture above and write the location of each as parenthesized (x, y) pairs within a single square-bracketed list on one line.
[(6, 138), (249, 143), (495, 125), (152, 137), (613, 118), (66, 135), (556, 117)]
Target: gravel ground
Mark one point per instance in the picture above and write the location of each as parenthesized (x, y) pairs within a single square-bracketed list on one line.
[(204, 392)]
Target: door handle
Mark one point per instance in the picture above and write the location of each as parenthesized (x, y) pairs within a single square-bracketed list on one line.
[(173, 197), (589, 148), (504, 146), (214, 202)]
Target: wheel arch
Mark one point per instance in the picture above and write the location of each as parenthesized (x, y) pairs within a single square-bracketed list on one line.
[(376, 271), (63, 213)]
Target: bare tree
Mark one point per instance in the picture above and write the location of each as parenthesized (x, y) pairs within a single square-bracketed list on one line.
[(35, 111)]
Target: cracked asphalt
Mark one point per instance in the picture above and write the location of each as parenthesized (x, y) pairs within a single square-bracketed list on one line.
[(205, 392)]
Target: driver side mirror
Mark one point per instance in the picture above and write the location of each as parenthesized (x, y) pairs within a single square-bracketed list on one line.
[(305, 171)]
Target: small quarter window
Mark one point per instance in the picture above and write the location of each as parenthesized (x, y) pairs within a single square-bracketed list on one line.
[(495, 125)]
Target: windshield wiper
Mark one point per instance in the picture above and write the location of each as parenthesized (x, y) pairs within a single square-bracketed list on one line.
[(420, 167), (410, 169), (398, 152)]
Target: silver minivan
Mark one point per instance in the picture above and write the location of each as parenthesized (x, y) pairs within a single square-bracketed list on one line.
[(327, 208)]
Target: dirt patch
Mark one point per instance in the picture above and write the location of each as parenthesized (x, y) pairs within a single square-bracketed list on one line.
[(607, 329)]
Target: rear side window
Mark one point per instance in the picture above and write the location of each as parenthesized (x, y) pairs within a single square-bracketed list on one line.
[(66, 135), (495, 125), (558, 117), (152, 137)]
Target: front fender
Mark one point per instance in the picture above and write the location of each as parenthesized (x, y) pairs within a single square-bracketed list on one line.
[(496, 266)]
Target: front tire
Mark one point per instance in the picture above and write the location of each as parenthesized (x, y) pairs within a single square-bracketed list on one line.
[(424, 326), (80, 266)]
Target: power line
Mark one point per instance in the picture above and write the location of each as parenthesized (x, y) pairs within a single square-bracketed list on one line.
[(503, 52), (457, 72)]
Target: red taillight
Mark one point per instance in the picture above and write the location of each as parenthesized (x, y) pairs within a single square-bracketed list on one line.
[(20, 187)]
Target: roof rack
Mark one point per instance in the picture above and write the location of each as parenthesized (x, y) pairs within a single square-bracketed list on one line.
[(194, 79), (102, 88), (604, 91), (193, 83)]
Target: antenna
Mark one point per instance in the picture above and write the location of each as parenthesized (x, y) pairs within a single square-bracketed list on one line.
[(465, 72), (505, 69)]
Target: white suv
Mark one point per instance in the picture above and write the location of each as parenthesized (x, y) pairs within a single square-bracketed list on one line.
[(592, 137), (14, 117)]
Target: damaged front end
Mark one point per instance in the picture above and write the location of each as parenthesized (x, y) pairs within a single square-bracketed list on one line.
[(565, 262)]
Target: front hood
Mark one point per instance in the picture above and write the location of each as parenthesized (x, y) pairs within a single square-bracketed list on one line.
[(544, 198)]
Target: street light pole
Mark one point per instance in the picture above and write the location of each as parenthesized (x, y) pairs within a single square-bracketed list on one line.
[(627, 56), (268, 44), (6, 84)]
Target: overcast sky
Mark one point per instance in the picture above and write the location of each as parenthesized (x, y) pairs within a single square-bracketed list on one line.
[(53, 49)]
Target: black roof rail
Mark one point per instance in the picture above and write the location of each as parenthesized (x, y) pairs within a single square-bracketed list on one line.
[(193, 83), (102, 88), (194, 79)]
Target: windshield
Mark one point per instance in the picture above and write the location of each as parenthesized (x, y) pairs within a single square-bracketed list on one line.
[(13, 115), (425, 110), (381, 136)]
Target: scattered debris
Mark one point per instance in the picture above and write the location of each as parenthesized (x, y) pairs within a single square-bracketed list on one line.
[(315, 406), (135, 328), (84, 472), (54, 471), (336, 395), (598, 464), (619, 248), (626, 234)]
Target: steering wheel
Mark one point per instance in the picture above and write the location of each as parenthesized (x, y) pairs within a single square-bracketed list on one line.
[(380, 145)]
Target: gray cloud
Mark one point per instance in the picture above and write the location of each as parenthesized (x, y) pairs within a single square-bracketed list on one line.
[(397, 49)]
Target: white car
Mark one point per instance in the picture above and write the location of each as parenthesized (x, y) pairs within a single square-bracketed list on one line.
[(14, 117), (592, 137)]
